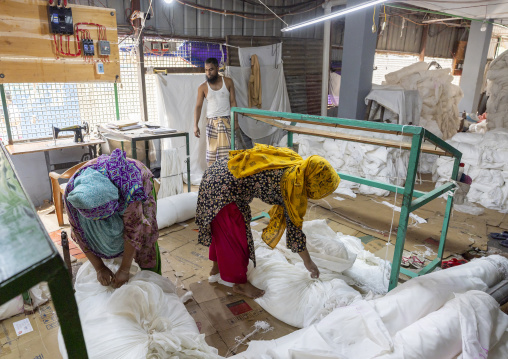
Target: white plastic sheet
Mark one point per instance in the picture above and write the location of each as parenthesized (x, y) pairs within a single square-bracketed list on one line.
[(142, 319)]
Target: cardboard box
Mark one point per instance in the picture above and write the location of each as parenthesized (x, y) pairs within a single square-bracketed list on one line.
[(41, 343)]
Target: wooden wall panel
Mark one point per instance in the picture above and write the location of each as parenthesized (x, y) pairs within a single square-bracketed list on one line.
[(27, 49)]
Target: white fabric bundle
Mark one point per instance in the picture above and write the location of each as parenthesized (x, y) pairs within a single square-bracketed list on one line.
[(439, 315), (368, 161), (39, 295), (171, 180), (142, 319), (175, 209), (292, 296), (440, 97), (497, 90), (13, 307), (486, 161)]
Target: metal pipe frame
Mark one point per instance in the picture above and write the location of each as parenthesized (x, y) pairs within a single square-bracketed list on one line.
[(419, 134)]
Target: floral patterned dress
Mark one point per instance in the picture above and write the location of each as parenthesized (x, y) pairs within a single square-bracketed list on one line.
[(140, 222), (219, 188)]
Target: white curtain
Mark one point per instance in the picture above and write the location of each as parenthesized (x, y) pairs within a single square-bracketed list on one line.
[(176, 98)]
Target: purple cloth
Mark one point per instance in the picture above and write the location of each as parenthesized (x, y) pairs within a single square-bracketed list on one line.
[(124, 174)]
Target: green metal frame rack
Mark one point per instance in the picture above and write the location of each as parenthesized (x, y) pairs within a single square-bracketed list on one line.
[(28, 257), (419, 135)]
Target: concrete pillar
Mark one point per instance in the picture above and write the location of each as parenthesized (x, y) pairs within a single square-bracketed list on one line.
[(357, 61), (474, 65)]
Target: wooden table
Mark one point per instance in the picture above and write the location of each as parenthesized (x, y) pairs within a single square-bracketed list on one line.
[(138, 134), (53, 145), (28, 257)]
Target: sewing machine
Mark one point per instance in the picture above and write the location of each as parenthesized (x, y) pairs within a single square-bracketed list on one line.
[(78, 135)]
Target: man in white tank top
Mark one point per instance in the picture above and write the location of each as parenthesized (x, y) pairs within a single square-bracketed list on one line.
[(220, 95)]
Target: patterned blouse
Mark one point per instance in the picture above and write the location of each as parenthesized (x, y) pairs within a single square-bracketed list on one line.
[(140, 223), (219, 188)]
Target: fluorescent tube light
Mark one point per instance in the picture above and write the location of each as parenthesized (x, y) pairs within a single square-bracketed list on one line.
[(333, 15)]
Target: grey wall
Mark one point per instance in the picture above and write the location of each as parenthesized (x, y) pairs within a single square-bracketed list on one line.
[(32, 171)]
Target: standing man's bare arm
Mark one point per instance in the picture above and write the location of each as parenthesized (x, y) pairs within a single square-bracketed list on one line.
[(197, 109)]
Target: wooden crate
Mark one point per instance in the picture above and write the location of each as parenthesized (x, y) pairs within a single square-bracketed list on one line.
[(27, 48)]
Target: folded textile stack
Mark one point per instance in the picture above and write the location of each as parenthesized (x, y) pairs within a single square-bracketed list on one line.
[(485, 157), (497, 89), (440, 97), (383, 164)]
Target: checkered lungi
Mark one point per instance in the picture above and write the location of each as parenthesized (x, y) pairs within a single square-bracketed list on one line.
[(218, 138)]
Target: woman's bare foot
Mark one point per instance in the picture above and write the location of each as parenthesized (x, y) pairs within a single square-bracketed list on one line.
[(248, 290), (215, 269)]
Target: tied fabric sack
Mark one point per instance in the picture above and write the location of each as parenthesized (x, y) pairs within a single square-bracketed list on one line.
[(295, 298), (142, 319)]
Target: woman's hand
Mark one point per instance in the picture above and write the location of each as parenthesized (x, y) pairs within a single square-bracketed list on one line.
[(309, 264), (312, 268), (105, 276), (121, 277)]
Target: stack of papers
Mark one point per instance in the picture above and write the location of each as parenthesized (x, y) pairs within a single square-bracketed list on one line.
[(161, 130), (124, 125)]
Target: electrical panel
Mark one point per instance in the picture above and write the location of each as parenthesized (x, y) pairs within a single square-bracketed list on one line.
[(104, 48), (88, 47), (60, 20)]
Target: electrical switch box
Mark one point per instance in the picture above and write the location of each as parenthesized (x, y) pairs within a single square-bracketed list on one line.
[(104, 48), (60, 20), (99, 67), (168, 46), (156, 46), (88, 47)]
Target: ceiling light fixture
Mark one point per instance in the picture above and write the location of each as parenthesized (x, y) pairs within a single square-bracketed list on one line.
[(168, 1), (333, 15)]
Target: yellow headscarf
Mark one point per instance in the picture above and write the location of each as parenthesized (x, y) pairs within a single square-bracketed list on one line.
[(312, 178)]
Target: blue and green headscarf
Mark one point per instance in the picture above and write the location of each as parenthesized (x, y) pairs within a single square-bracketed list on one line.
[(97, 195)]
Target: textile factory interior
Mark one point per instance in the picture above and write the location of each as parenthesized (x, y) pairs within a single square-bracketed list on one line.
[(253, 179)]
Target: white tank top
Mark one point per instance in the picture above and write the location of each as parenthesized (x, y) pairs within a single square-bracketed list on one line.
[(218, 101)]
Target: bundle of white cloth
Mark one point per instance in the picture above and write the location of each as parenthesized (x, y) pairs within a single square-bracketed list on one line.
[(295, 298), (142, 319), (440, 98), (497, 89), (445, 314), (485, 158)]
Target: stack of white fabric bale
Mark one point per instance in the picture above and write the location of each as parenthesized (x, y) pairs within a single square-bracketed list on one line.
[(497, 89), (440, 97), (485, 157)]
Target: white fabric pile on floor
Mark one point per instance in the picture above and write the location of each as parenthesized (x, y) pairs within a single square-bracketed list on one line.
[(440, 98), (176, 209), (358, 159), (497, 90), (444, 314), (142, 319), (39, 295), (485, 158), (295, 298)]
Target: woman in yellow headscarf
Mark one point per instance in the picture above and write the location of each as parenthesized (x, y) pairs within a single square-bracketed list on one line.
[(277, 176)]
